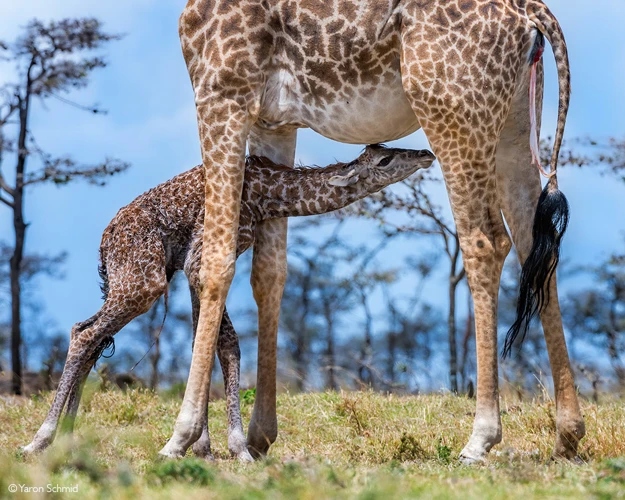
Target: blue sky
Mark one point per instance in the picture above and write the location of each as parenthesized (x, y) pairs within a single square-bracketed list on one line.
[(151, 123)]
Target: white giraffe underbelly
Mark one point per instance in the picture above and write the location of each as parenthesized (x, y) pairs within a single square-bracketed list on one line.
[(365, 115)]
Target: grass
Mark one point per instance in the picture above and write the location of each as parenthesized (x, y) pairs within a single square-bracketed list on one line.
[(331, 445)]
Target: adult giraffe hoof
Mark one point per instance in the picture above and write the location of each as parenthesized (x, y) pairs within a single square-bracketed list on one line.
[(466, 459), (474, 454), (258, 443), (572, 459), (568, 438), (171, 451), (202, 447), (259, 451), (209, 457)]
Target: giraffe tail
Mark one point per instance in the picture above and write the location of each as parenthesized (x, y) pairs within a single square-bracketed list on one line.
[(552, 212)]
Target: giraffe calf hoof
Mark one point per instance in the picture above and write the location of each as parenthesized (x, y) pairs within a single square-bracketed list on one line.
[(245, 457), (572, 459), (200, 450), (204, 455), (237, 444), (26, 450), (33, 448)]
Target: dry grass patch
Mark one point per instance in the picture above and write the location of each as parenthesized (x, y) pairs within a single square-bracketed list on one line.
[(331, 445)]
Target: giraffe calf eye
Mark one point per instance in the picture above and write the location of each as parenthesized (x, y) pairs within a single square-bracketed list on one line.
[(385, 161)]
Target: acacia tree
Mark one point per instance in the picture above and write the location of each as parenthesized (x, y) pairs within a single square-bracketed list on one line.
[(597, 315), (419, 216), (411, 339), (34, 266), (49, 60), (608, 154), (313, 295), (327, 277)]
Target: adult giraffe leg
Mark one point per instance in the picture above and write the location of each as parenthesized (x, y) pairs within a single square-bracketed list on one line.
[(485, 244), (462, 110), (202, 447), (229, 355), (519, 186), (224, 120), (228, 91), (224, 162), (269, 268)]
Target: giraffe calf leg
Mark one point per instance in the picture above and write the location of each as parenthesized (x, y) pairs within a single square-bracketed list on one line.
[(73, 400), (86, 340), (69, 378), (229, 354)]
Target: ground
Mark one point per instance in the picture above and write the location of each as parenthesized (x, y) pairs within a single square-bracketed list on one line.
[(331, 445)]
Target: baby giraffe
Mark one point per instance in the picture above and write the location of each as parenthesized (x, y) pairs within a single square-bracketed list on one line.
[(160, 233)]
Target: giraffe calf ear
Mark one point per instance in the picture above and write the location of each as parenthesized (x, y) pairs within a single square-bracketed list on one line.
[(344, 180)]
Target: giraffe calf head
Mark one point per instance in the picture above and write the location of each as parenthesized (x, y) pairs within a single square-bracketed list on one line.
[(379, 166)]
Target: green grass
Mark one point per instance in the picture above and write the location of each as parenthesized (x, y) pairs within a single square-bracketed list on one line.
[(331, 445)]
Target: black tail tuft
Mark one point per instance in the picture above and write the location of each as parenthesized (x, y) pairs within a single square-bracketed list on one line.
[(104, 280), (550, 223)]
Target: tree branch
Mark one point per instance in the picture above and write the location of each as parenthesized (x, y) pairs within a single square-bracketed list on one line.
[(3, 185), (6, 202), (12, 108), (64, 170)]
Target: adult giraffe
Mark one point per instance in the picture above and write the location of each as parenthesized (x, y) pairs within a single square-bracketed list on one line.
[(367, 71)]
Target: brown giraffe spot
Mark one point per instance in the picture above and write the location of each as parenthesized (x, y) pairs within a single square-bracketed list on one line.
[(321, 8), (348, 11)]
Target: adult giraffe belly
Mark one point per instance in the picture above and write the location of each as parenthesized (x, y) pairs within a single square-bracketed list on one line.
[(367, 115)]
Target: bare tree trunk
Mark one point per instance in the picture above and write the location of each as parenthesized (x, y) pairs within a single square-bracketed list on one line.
[(451, 328), (392, 355), (455, 277), (468, 333), (18, 251), (330, 355), (364, 370), (615, 359), (16, 320), (156, 357), (300, 364)]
